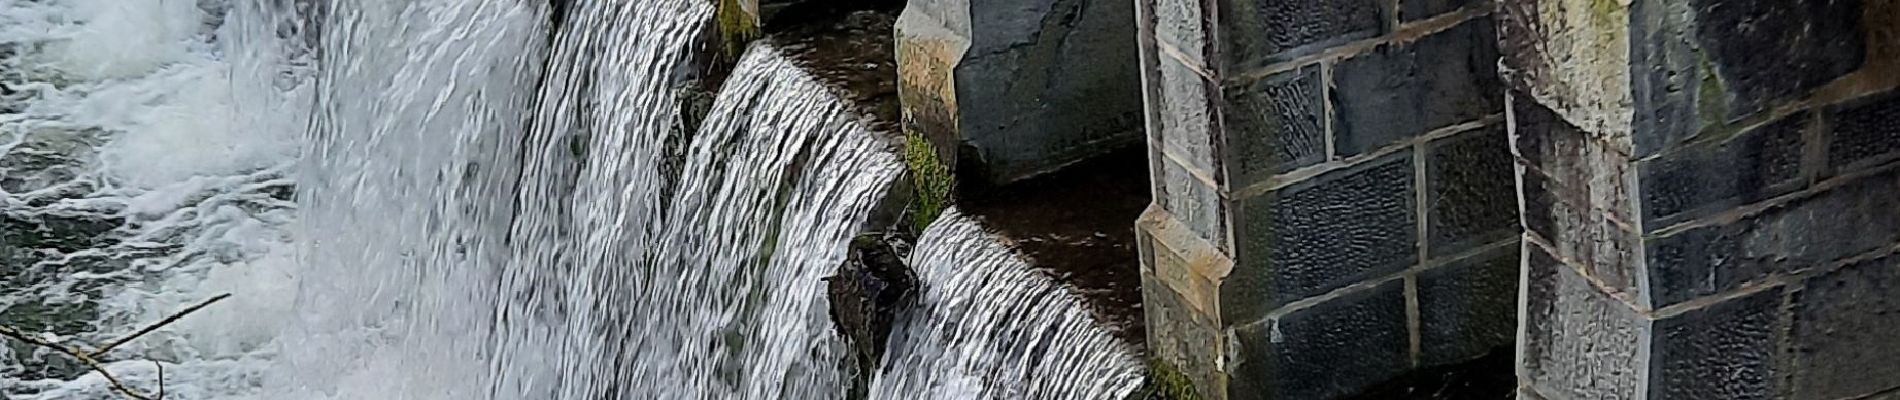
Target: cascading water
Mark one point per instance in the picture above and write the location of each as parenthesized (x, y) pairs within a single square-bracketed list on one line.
[(405, 196), (482, 209), (989, 327)]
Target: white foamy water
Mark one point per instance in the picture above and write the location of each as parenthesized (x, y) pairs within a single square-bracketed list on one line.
[(168, 136), (989, 327), (452, 199)]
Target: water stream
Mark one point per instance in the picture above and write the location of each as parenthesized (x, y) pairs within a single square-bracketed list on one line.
[(989, 327), (444, 199)]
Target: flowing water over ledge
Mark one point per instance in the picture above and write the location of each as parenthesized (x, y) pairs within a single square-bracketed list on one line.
[(989, 327), (439, 199)]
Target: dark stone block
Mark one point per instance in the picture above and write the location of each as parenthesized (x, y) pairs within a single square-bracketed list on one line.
[(1468, 307), (1708, 63), (1413, 10), (1261, 32), (1274, 125), (1864, 131), (1399, 91), (1849, 220), (1845, 324), (1704, 179), (1578, 342), (1768, 51), (1472, 194), (1330, 350), (1725, 351), (1331, 231)]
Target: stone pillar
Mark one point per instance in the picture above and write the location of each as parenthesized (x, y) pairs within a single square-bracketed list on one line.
[(1016, 88), (1709, 197), (1334, 202)]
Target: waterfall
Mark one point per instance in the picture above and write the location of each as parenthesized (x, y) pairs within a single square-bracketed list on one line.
[(450, 199), (722, 298), (590, 192), (404, 195), (989, 327)]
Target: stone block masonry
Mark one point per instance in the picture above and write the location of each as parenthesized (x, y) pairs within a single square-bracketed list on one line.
[(1007, 90), (1334, 195), (1708, 197)]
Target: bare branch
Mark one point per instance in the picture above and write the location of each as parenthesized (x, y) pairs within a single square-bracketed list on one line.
[(78, 355), (167, 321), (91, 358)]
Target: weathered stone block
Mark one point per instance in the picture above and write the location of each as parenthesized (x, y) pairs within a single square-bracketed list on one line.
[(1468, 307), (1399, 91), (1700, 180), (1274, 124), (1186, 112), (1182, 24), (1325, 351), (1334, 230), (927, 54), (1471, 191), (1046, 83), (1414, 10), (1845, 342), (1574, 189), (1707, 63), (1865, 132), (1194, 203), (1180, 337), (1578, 343), (1256, 33), (1849, 220), (1572, 55), (1588, 170), (1726, 351)]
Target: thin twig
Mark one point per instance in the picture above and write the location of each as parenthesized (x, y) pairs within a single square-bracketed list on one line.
[(161, 323), (79, 355), (91, 358)]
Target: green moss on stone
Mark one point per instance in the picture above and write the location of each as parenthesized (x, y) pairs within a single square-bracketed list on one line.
[(1167, 383), (930, 179), (736, 29)]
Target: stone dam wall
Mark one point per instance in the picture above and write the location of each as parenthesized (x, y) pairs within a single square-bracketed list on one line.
[(1635, 199)]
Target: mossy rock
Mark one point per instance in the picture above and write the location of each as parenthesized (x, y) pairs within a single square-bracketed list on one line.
[(930, 179), (737, 28), (1167, 383)]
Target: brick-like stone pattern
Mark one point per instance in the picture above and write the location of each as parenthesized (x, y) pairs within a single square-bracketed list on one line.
[(1331, 231), (1844, 338), (1735, 239), (1326, 351), (1350, 156), (1465, 306), (1399, 91)]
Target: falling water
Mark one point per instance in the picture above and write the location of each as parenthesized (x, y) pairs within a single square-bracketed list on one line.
[(989, 327), (404, 194), (723, 300), (448, 199), (591, 192)]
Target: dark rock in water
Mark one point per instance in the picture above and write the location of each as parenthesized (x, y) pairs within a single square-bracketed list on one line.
[(866, 294)]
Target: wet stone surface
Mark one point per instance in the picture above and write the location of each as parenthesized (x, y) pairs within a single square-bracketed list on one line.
[(1486, 378), (1077, 226)]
